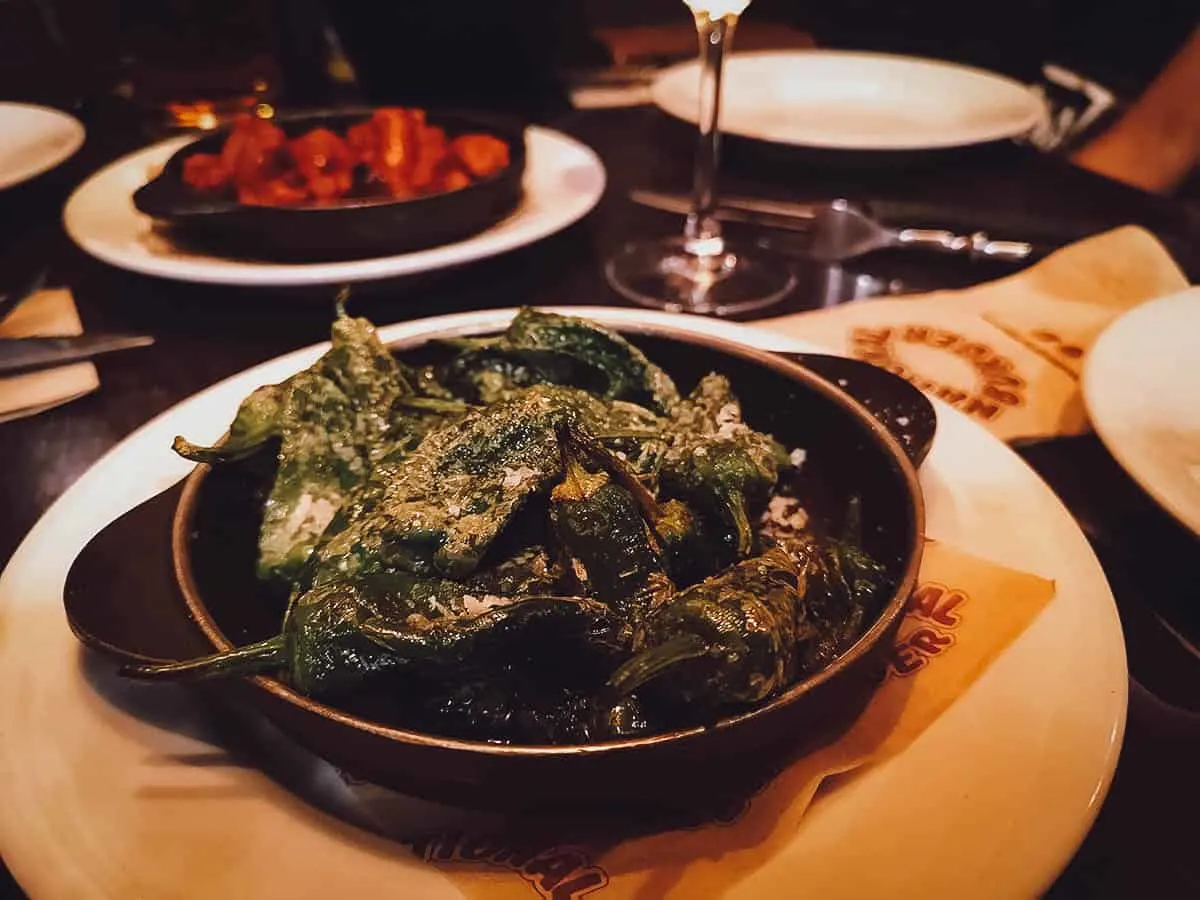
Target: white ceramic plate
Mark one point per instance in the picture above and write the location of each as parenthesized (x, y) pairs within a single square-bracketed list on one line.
[(1141, 384), (991, 801), (564, 179), (856, 101), (33, 140)]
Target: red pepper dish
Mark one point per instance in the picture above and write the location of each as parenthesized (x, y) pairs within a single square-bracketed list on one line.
[(394, 154)]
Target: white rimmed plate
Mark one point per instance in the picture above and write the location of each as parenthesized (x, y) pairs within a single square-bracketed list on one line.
[(856, 101), (1142, 389), (564, 179), (35, 139), (991, 801)]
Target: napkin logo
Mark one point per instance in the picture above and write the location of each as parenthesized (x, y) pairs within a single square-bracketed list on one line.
[(933, 610), (559, 873), (997, 386)]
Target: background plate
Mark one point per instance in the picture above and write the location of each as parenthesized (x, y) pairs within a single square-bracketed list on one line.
[(1143, 397), (35, 139), (856, 101)]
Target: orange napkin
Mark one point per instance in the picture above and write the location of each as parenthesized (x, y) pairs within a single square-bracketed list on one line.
[(1007, 353), (962, 616), (46, 313)]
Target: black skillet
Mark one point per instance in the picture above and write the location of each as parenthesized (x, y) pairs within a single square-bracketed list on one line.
[(349, 228), (130, 605)]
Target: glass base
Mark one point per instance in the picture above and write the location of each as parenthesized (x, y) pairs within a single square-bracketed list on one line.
[(725, 281)]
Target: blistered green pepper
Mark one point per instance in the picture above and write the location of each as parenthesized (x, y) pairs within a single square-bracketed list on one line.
[(631, 376), (728, 640), (491, 370), (335, 420), (718, 463), (612, 552), (844, 584), (340, 637), (258, 420), (544, 347), (692, 553), (453, 495)]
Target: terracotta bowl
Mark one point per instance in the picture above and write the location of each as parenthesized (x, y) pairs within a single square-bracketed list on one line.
[(849, 453), (349, 227)]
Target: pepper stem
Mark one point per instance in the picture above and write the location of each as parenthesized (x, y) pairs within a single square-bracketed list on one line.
[(735, 503), (469, 343), (248, 660), (433, 404), (577, 482), (649, 664), (339, 302), (226, 451), (622, 473)]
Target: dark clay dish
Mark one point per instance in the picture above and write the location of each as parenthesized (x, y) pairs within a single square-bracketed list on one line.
[(347, 228), (851, 467)]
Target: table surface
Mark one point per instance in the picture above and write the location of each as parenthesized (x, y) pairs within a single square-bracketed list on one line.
[(205, 333)]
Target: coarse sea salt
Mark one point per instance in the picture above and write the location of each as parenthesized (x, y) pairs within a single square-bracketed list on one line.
[(787, 512), (516, 477)]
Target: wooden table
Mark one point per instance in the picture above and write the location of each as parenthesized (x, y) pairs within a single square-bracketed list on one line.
[(205, 334)]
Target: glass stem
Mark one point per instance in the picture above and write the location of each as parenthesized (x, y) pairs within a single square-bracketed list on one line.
[(703, 232)]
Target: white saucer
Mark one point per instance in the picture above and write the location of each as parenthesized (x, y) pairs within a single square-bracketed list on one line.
[(856, 101), (1141, 384), (35, 139), (120, 789), (564, 179)]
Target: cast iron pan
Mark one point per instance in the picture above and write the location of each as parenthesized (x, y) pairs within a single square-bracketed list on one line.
[(190, 588), (351, 228)]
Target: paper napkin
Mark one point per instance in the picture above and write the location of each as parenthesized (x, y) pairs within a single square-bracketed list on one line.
[(964, 613), (1008, 353), (47, 313)]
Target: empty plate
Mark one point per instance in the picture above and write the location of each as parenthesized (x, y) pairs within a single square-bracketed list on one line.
[(856, 101), (33, 140), (1143, 397)]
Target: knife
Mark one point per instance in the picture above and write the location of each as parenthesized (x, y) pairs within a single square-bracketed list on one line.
[(781, 214), (32, 353)]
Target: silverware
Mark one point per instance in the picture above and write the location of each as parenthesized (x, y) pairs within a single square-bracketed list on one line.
[(32, 353), (840, 230), (766, 213)]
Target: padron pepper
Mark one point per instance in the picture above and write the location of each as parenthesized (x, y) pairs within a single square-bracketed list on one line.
[(452, 496), (340, 637), (718, 463), (729, 640), (844, 584), (611, 549), (488, 370), (631, 376), (334, 421), (544, 347)]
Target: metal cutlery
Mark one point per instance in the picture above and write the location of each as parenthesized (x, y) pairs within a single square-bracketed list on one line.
[(28, 354), (842, 231), (839, 229), (766, 213)]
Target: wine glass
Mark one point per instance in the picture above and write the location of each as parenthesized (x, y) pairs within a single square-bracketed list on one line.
[(702, 271)]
